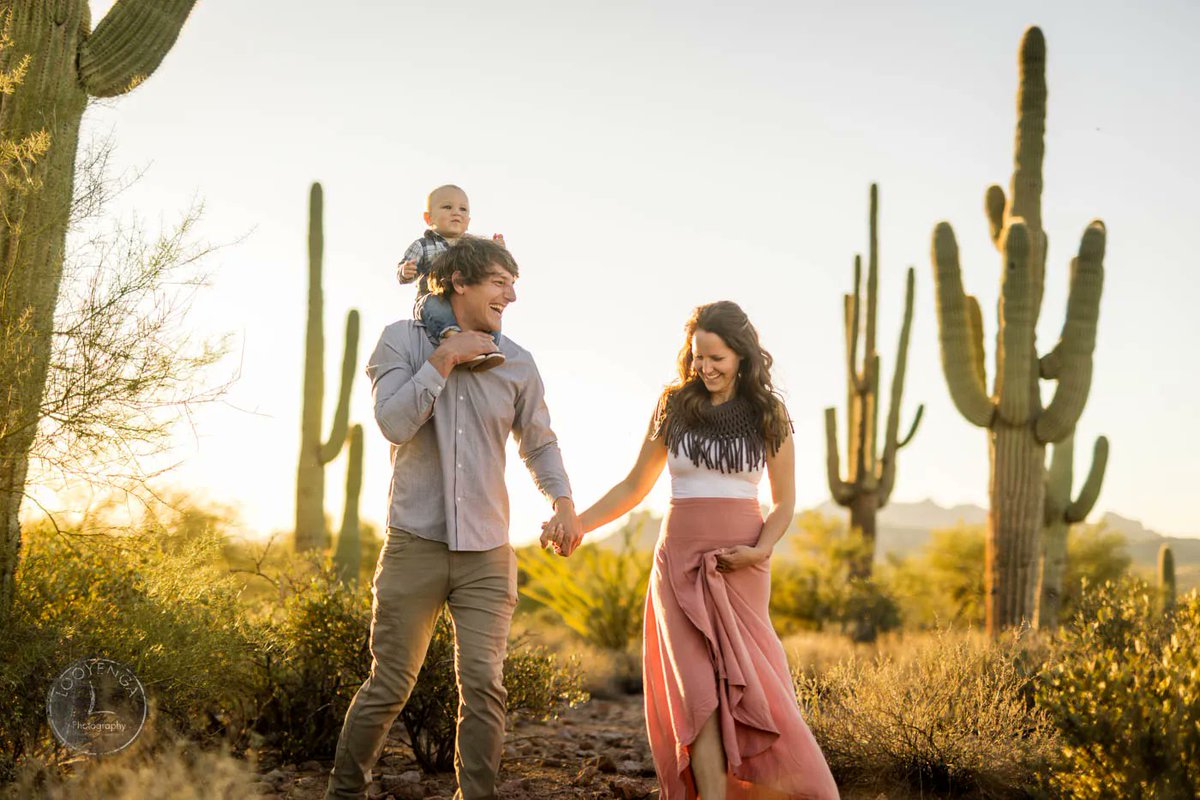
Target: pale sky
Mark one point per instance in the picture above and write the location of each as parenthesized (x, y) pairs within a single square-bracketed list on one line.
[(642, 158)]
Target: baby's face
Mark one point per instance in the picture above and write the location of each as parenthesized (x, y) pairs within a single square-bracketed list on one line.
[(449, 213)]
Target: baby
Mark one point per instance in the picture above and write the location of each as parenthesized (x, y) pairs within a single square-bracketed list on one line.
[(448, 212)]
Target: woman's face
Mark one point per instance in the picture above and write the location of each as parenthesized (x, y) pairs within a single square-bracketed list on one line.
[(715, 363)]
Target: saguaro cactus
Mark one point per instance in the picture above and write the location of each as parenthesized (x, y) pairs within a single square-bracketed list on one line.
[(1166, 578), (62, 62), (1019, 428), (311, 532), (870, 477), (348, 557), (1061, 513)]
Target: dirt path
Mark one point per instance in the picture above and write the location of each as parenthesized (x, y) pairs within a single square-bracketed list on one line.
[(595, 751)]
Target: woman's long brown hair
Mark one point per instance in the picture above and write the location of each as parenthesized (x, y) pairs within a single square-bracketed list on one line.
[(689, 399)]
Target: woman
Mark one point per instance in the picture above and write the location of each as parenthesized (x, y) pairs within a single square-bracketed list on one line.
[(720, 706)]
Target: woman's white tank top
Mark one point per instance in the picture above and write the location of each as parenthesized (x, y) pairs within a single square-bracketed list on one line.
[(689, 480)]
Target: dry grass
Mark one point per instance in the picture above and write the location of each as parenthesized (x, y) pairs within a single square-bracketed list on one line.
[(946, 715), (176, 771)]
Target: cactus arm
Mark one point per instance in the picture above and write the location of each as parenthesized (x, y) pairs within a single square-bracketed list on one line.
[(994, 203), (1018, 318), (891, 442), (341, 417), (912, 430), (975, 334), (129, 44), (854, 387), (959, 352), (1058, 480), (872, 275), (1026, 191), (1050, 364), (842, 491), (1078, 339), (853, 309), (1082, 506)]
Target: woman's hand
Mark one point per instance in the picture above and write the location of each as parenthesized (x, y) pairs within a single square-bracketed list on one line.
[(735, 558)]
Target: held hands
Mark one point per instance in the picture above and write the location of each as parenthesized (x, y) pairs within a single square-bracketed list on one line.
[(562, 532), (735, 558)]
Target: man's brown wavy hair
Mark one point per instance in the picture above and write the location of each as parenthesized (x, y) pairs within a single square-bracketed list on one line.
[(471, 258), (689, 399)]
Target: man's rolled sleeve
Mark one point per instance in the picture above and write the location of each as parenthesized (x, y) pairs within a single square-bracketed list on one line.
[(536, 441), (403, 398)]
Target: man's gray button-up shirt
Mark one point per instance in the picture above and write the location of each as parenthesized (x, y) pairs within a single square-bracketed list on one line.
[(448, 437)]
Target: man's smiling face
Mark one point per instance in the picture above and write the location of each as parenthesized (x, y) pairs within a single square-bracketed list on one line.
[(480, 306)]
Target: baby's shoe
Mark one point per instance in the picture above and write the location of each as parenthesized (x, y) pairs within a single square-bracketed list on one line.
[(484, 362)]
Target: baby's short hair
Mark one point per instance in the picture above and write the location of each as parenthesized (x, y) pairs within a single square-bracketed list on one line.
[(472, 259), (442, 188)]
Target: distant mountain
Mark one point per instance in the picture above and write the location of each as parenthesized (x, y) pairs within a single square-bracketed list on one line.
[(905, 528)]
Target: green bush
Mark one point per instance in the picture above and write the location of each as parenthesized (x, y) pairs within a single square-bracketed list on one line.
[(943, 584), (814, 590), (600, 593), (951, 719), (150, 598), (537, 685), (315, 655), (1123, 687)]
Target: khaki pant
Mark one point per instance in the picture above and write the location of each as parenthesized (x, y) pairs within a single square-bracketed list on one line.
[(414, 579)]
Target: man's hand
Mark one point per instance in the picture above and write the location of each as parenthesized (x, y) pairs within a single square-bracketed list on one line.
[(735, 558), (460, 347), (563, 530), (498, 238), (407, 270)]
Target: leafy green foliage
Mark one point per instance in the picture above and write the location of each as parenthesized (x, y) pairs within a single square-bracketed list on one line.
[(815, 589), (943, 584), (1124, 689), (599, 593), (152, 599)]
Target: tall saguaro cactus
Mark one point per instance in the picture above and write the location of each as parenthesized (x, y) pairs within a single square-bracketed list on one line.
[(1061, 513), (870, 476), (311, 532), (62, 62), (1018, 426)]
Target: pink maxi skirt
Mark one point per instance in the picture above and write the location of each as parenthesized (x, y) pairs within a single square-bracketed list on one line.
[(709, 648)]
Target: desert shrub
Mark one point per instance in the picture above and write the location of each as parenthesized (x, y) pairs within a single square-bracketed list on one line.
[(943, 584), (318, 655), (813, 590), (1095, 556), (600, 593), (314, 657), (949, 719), (538, 684), (1123, 687), (149, 598)]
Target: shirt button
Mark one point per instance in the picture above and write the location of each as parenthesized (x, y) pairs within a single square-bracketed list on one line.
[(460, 397), (460, 430)]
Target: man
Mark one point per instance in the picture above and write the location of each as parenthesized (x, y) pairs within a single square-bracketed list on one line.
[(447, 540)]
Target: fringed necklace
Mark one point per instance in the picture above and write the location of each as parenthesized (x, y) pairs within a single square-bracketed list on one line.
[(728, 437)]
